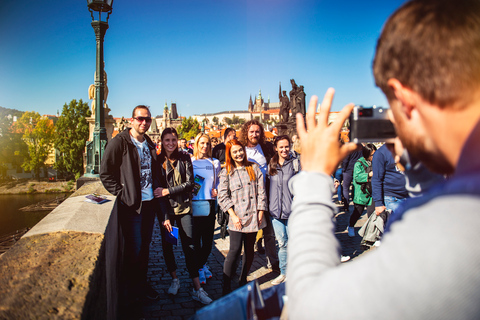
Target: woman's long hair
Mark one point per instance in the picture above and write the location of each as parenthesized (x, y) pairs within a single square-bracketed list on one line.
[(163, 154), (274, 161), (230, 164), (197, 141)]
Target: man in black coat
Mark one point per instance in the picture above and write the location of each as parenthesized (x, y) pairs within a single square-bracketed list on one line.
[(129, 171)]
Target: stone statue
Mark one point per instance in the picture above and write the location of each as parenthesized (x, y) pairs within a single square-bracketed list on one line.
[(92, 94), (293, 99), (300, 96), (284, 107), (121, 126)]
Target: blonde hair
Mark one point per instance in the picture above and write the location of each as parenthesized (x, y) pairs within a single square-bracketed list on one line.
[(197, 141)]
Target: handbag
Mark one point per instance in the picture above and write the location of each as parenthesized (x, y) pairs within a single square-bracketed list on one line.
[(200, 208)]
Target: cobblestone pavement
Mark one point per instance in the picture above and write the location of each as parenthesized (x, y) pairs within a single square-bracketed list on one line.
[(182, 306)]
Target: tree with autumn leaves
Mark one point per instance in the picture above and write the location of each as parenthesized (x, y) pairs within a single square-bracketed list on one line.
[(38, 133)]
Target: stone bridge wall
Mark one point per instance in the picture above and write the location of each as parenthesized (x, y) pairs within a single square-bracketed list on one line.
[(66, 267)]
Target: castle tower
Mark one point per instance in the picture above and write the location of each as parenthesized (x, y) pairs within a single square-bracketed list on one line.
[(174, 111), (259, 102), (250, 104)]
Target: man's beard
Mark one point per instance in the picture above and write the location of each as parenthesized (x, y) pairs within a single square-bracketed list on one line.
[(253, 141), (434, 161)]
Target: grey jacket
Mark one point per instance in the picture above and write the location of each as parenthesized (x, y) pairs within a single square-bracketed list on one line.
[(280, 198)]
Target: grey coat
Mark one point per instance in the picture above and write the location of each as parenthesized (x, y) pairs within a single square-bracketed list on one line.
[(280, 198)]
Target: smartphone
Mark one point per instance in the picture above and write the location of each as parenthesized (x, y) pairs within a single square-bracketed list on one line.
[(371, 124)]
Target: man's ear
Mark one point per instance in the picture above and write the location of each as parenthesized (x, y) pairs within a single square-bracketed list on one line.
[(404, 95)]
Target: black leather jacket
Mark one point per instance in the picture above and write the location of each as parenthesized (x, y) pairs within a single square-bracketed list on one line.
[(182, 192)]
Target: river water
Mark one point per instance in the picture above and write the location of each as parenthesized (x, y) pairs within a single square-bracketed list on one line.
[(12, 219)]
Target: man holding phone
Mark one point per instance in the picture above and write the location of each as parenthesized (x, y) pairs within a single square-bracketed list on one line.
[(427, 63)]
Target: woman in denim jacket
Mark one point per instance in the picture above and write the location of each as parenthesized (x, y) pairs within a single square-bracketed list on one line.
[(241, 193)]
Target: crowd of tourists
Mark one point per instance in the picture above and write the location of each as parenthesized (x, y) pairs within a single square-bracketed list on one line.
[(245, 179)]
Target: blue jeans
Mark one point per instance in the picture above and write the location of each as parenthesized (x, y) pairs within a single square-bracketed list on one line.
[(392, 203), (280, 226), (339, 177)]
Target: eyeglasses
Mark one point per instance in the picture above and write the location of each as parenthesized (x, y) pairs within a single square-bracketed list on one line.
[(141, 119)]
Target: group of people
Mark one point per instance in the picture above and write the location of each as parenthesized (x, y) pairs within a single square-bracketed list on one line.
[(183, 191), (378, 181)]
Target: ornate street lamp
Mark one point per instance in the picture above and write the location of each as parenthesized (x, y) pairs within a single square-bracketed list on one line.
[(96, 147)]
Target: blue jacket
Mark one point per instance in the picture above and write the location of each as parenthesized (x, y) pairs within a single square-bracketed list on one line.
[(387, 180)]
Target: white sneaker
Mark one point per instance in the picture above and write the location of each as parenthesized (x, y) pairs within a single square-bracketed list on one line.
[(201, 276), (377, 243), (344, 258), (281, 278), (351, 232), (201, 296), (208, 273), (173, 290)]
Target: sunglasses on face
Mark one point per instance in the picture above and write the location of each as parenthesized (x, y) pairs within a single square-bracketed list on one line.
[(141, 119)]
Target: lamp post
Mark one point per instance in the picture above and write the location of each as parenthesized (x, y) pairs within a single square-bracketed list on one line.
[(96, 147)]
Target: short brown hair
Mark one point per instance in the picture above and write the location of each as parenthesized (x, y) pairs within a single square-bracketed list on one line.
[(141, 107), (433, 48)]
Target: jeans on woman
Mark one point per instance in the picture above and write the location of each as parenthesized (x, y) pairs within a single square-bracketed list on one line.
[(281, 234), (203, 229), (236, 241), (185, 230)]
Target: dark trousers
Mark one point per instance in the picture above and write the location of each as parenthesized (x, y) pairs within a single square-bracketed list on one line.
[(137, 232), (184, 223), (203, 229), (358, 210), (237, 239)]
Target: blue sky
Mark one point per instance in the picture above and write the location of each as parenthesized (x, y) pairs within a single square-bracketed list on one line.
[(205, 55)]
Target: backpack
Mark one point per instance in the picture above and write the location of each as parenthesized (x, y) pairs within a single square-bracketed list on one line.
[(296, 165), (366, 187)]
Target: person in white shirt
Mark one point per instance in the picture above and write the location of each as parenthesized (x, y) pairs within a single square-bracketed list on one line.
[(206, 171)]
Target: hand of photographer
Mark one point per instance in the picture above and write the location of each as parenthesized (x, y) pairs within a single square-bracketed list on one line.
[(321, 149)]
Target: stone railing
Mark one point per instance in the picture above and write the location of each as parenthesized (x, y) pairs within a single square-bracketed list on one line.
[(66, 267)]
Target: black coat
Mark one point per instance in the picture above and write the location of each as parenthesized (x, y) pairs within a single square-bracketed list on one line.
[(120, 170), (219, 152)]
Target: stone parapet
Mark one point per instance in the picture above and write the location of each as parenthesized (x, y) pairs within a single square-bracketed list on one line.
[(66, 267)]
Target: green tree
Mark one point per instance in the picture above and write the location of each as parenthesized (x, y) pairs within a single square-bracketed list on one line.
[(12, 147), (227, 120), (215, 120), (189, 128), (72, 133), (38, 134)]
